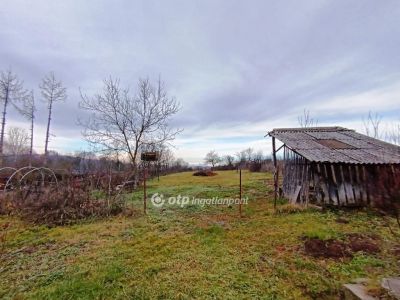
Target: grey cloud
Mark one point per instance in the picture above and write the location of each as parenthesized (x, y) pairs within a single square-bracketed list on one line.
[(225, 61)]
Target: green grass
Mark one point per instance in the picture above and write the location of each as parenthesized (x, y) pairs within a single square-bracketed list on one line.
[(190, 252)]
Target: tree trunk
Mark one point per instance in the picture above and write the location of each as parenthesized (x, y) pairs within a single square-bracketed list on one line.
[(3, 125), (134, 164), (135, 172), (47, 133), (31, 147)]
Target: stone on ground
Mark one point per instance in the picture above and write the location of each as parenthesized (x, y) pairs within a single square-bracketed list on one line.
[(392, 286), (356, 291)]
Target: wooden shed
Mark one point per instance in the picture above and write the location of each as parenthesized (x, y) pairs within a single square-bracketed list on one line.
[(333, 166)]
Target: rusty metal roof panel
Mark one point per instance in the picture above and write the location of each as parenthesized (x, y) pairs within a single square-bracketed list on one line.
[(329, 144)]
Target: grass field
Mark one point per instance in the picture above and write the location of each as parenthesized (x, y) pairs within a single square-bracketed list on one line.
[(192, 251)]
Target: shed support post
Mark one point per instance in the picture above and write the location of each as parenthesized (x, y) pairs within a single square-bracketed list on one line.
[(275, 172)]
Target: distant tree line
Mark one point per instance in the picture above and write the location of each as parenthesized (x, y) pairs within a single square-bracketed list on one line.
[(255, 161), (87, 162)]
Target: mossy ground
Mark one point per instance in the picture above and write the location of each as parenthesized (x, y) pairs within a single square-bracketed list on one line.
[(191, 252)]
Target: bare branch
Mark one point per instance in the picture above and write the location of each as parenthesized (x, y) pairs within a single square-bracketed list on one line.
[(306, 120), (372, 125), (393, 134), (52, 91), (17, 142), (212, 158), (125, 123), (11, 92)]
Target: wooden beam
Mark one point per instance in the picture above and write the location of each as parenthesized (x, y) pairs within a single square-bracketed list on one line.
[(335, 195), (364, 175), (334, 174), (352, 185), (361, 185), (277, 150), (275, 173), (307, 182), (284, 171), (342, 192)]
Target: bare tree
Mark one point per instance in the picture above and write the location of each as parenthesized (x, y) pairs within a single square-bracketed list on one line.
[(249, 154), (306, 120), (258, 157), (241, 158), (11, 92), (212, 158), (28, 111), (180, 164), (393, 134), (17, 141), (126, 123), (166, 159), (87, 161), (229, 159), (52, 91), (372, 125), (257, 161)]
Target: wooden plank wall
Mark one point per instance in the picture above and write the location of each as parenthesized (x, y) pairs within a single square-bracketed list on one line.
[(297, 172), (329, 184), (341, 184)]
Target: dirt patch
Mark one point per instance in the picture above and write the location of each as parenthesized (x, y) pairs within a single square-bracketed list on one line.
[(370, 236), (341, 248), (29, 249), (204, 173), (342, 221), (366, 244), (328, 249)]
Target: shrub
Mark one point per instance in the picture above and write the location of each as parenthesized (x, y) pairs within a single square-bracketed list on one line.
[(58, 205)]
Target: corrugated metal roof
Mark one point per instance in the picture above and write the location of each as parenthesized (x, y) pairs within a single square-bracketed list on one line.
[(362, 149)]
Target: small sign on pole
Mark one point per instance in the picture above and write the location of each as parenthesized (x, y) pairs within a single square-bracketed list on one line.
[(147, 157)]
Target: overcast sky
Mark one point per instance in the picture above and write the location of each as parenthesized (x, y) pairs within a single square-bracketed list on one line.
[(238, 68)]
